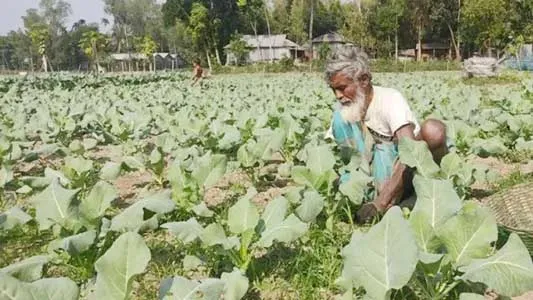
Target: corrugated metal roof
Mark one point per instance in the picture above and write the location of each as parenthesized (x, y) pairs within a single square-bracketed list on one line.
[(128, 56), (331, 37), (265, 41)]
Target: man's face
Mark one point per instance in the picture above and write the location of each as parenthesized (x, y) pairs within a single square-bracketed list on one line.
[(344, 87), (351, 96)]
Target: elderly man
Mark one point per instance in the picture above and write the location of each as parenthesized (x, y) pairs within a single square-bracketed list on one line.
[(372, 119)]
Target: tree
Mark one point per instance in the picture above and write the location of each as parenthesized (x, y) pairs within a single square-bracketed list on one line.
[(93, 44), (239, 48), (148, 47), (55, 14), (253, 11), (280, 16), (388, 15), (420, 16), (486, 23), (199, 30), (357, 28), (297, 31), (448, 13), (40, 38)]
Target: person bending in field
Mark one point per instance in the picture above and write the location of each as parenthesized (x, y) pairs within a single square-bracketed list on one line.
[(372, 119), (197, 72)]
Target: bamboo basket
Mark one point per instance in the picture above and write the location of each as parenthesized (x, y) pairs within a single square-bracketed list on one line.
[(513, 209)]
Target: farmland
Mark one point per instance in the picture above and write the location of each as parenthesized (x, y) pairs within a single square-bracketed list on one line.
[(143, 187)]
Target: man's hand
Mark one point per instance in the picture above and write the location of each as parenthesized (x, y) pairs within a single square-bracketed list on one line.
[(392, 188)]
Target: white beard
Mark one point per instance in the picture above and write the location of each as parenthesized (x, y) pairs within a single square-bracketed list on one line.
[(353, 110)]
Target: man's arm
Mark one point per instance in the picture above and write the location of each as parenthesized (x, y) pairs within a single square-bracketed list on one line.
[(393, 187)]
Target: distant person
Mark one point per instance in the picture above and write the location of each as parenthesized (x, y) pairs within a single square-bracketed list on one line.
[(198, 72), (372, 119)]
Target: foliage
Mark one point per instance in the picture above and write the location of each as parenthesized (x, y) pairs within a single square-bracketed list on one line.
[(239, 48), (123, 183), (93, 43)]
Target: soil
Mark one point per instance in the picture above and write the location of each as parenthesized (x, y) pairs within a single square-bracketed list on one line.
[(130, 184)]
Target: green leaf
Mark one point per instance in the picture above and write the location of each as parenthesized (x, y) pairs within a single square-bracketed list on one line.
[(55, 288), (78, 164), (312, 205), (523, 145), (134, 162), (470, 234), (213, 235), (27, 270), (24, 190), (375, 263), (98, 201), (12, 218), (132, 218), (127, 257), (155, 156), (270, 144), (6, 176), (289, 230), (76, 146), (416, 154), (242, 216), (53, 205), (53, 174), (202, 210), (245, 156), (355, 188), (44, 289), (509, 272), (489, 146), (89, 143), (320, 159), (293, 194), (191, 262), (186, 232), (179, 288), (236, 285), (451, 164), (436, 202), (231, 137), (110, 170), (303, 175), (75, 244), (275, 212), (209, 169)]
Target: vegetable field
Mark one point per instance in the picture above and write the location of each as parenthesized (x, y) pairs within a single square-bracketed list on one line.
[(142, 187)]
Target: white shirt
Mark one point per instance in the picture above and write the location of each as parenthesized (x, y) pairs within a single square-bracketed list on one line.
[(388, 112)]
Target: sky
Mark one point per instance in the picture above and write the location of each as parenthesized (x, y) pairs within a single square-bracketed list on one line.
[(11, 15)]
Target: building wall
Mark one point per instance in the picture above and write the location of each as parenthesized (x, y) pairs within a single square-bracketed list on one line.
[(263, 54)]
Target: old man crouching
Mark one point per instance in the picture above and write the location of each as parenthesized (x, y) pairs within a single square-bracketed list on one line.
[(372, 119)]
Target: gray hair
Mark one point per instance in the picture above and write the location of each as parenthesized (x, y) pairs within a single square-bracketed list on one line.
[(350, 60)]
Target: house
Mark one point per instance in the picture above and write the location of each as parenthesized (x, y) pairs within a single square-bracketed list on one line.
[(267, 48), (429, 51), (167, 61), (333, 40), (434, 50), (127, 61)]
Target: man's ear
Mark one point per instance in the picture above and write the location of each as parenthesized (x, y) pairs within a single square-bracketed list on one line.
[(364, 80)]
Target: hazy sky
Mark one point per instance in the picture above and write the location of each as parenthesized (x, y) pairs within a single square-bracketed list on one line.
[(10, 14)]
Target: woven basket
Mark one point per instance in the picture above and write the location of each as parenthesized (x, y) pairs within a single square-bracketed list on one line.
[(513, 209)]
